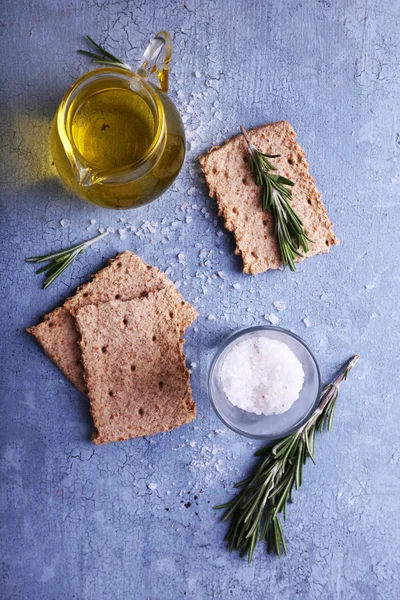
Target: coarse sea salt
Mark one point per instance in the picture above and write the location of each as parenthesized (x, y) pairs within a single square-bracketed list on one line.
[(261, 375)]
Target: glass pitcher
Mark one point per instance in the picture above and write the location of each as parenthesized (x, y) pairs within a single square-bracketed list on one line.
[(117, 140)]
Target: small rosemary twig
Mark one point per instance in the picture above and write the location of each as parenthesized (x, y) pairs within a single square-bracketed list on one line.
[(61, 260), (289, 230), (253, 513), (103, 57)]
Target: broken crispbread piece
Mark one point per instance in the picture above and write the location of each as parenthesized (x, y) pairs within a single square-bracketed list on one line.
[(230, 181), (134, 366), (126, 277)]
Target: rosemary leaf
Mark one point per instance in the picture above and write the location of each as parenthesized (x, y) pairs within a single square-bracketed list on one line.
[(103, 57), (254, 512), (61, 260)]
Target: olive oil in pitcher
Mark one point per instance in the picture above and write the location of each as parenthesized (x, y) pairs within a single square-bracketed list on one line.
[(117, 140)]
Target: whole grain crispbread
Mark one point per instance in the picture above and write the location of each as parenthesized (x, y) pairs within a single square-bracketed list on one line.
[(230, 181), (126, 277), (134, 366)]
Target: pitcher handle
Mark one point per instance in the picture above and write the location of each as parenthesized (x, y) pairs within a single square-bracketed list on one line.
[(156, 60)]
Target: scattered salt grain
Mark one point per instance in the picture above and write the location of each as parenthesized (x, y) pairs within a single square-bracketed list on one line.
[(369, 286), (110, 229), (307, 322), (181, 257), (279, 305), (64, 222), (197, 74), (220, 233), (122, 234), (152, 486), (92, 221), (237, 286), (101, 230), (193, 365), (272, 318), (212, 318), (261, 375)]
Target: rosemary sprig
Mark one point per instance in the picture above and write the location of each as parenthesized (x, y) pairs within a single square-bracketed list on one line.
[(61, 260), (103, 57), (289, 230), (254, 512)]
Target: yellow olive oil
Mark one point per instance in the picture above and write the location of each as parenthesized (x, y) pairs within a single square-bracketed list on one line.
[(113, 128), (120, 144)]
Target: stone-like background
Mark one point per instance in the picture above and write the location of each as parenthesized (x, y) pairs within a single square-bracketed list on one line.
[(79, 521)]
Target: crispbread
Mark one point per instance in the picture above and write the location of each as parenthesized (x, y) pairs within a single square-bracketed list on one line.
[(126, 277), (134, 366), (231, 182)]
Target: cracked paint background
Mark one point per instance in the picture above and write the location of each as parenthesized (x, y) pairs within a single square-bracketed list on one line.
[(80, 522)]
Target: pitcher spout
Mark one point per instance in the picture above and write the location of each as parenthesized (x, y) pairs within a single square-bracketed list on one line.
[(85, 176)]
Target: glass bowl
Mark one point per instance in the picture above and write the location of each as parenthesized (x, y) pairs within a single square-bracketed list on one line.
[(263, 427)]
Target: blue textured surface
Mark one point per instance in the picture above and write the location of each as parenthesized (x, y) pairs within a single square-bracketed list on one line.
[(79, 521)]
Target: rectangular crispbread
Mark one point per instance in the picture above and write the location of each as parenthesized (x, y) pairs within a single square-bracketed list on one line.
[(126, 277), (230, 181), (134, 367)]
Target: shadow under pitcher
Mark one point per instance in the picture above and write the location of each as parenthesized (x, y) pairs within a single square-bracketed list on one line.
[(117, 139)]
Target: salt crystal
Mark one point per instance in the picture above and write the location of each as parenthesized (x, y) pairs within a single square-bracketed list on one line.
[(101, 230), (152, 486), (188, 219), (64, 222), (92, 221), (191, 191), (237, 286), (222, 275), (261, 375), (181, 257), (369, 286), (279, 305), (122, 219), (212, 318), (220, 233), (122, 234), (193, 365), (195, 207), (110, 229), (197, 74), (272, 318), (307, 322)]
